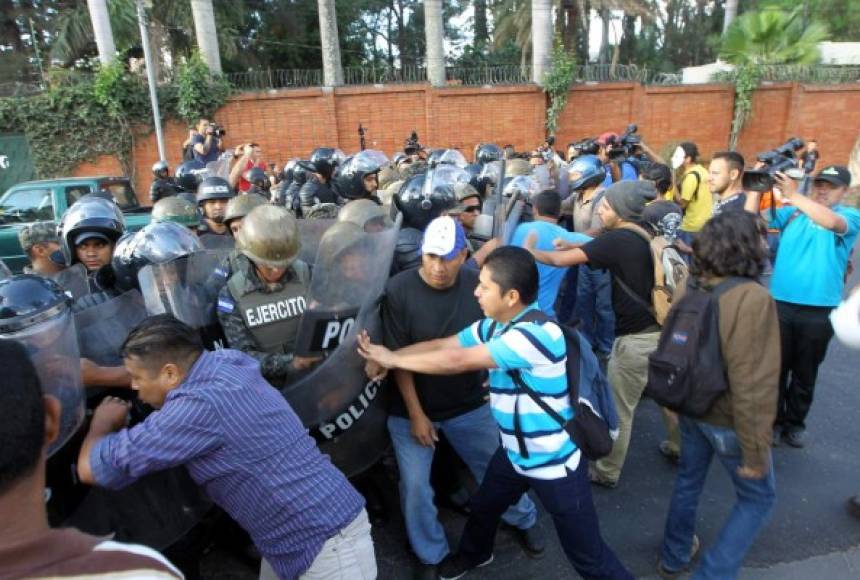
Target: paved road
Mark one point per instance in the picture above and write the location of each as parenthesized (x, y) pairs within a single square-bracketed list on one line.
[(809, 535)]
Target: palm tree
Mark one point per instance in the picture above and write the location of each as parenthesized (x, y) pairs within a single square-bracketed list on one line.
[(100, 18), (435, 37), (773, 37), (731, 14), (541, 38), (207, 35), (332, 69)]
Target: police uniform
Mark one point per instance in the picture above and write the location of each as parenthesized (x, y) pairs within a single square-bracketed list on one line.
[(163, 187)]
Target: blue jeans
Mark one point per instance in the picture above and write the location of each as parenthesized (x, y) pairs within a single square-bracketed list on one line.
[(565, 306), (567, 499), (594, 308), (755, 500), (475, 437)]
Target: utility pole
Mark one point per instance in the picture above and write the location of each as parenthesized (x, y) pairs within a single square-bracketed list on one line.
[(150, 76)]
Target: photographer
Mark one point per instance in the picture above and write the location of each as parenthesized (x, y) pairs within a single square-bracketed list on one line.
[(206, 143), (247, 156), (611, 154), (817, 235)]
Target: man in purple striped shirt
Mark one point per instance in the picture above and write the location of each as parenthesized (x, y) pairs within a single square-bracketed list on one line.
[(242, 442)]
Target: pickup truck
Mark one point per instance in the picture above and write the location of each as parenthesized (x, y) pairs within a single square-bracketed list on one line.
[(48, 199)]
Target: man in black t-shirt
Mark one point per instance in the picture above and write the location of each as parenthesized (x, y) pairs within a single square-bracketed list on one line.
[(725, 179), (433, 301), (628, 257)]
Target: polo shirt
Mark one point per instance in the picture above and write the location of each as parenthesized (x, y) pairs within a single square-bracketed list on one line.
[(538, 352)]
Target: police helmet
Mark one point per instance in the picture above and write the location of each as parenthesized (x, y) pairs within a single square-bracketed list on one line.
[(160, 168), (287, 173), (365, 213), (269, 237), (446, 157), (256, 176), (190, 174), (349, 180), (241, 205), (589, 172), (421, 203), (324, 160), (177, 210), (214, 188), (89, 217), (487, 152), (156, 243), (523, 185), (27, 299), (300, 171)]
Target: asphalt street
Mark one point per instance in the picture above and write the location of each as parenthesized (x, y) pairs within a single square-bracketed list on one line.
[(809, 535)]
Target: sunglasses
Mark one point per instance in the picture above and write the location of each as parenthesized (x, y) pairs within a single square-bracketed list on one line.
[(472, 209)]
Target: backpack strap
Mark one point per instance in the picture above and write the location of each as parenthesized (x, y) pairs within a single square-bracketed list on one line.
[(698, 183), (640, 231)]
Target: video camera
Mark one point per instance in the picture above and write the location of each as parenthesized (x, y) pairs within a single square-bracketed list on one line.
[(782, 159), (587, 146), (217, 130), (627, 145)]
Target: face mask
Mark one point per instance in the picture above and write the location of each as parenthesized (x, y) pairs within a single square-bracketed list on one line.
[(846, 321), (678, 158)]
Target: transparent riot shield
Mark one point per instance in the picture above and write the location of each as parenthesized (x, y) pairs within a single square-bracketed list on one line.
[(103, 328), (542, 175), (342, 408), (188, 289), (53, 348), (74, 280), (219, 168), (564, 181), (311, 232)]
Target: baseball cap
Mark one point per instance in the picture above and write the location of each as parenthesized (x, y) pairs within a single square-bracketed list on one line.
[(464, 191), (605, 138), (444, 237), (37, 233), (838, 175), (84, 236)]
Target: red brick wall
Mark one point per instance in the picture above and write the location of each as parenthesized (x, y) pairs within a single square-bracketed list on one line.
[(291, 123)]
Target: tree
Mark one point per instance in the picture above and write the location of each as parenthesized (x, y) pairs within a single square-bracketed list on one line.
[(773, 37), (330, 44), (541, 38), (207, 36), (731, 14), (433, 30), (101, 29)]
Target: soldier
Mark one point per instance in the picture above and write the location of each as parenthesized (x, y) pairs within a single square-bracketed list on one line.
[(358, 177), (469, 205), (41, 245), (163, 185), (291, 189), (88, 232), (259, 181), (238, 208), (177, 210), (213, 194), (262, 304)]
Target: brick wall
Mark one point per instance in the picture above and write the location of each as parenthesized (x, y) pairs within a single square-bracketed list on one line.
[(291, 123)]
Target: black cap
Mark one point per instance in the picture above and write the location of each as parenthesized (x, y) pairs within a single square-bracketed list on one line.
[(838, 175)]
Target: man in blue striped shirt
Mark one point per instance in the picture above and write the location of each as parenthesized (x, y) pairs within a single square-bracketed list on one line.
[(550, 465), (242, 442)]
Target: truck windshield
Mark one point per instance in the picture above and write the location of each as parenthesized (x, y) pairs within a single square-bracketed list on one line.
[(122, 193), (26, 205)]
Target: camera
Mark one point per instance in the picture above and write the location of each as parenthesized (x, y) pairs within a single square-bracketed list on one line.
[(781, 159), (587, 146), (625, 146), (217, 130)]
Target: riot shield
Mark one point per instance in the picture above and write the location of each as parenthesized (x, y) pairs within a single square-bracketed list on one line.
[(188, 289), (53, 348), (103, 328), (310, 233), (74, 280), (336, 401), (217, 243), (543, 176), (219, 168), (564, 181)]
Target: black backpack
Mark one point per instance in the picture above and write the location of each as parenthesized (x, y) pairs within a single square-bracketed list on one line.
[(588, 430), (687, 373)]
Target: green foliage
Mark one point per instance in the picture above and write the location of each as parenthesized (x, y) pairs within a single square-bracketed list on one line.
[(773, 37), (79, 119), (556, 83), (745, 78)]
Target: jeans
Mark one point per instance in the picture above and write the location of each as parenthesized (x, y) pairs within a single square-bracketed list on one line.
[(475, 437), (568, 500), (565, 306), (755, 501), (805, 332), (594, 308), (347, 555)]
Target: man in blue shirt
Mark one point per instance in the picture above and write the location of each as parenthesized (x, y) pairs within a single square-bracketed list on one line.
[(205, 144), (817, 237), (541, 456), (547, 211), (626, 171), (242, 442)]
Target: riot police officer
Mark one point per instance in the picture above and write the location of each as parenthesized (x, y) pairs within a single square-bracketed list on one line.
[(189, 175), (163, 185), (420, 200), (88, 232), (366, 214), (317, 189), (213, 194), (239, 207), (177, 210), (259, 181), (291, 188), (487, 153), (358, 176), (262, 304)]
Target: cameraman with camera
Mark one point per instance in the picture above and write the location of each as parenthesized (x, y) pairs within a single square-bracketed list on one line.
[(613, 153), (817, 236), (206, 143)]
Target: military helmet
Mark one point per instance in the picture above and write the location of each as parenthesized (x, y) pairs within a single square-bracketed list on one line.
[(269, 237), (241, 205), (90, 216), (214, 188), (177, 210), (487, 152), (155, 243), (589, 170), (190, 174), (160, 168), (37, 233), (256, 176), (321, 211), (364, 213), (517, 166), (349, 180), (337, 239)]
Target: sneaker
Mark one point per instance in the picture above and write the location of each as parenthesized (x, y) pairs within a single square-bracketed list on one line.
[(668, 450), (598, 479), (796, 439), (532, 540), (456, 566), (667, 574)]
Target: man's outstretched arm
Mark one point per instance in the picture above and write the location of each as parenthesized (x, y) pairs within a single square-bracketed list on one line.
[(450, 359)]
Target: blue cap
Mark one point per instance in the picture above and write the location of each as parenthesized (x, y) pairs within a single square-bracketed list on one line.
[(444, 237)]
